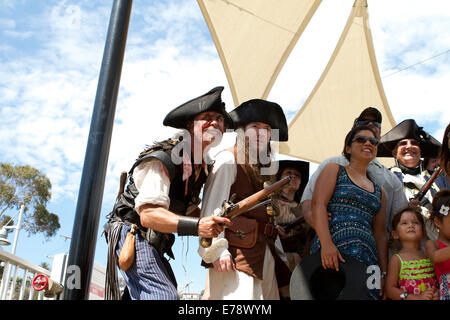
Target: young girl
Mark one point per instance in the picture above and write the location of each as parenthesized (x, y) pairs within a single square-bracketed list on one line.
[(410, 273), (439, 250)]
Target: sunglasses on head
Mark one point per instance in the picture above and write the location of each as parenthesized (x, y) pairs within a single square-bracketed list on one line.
[(362, 139), (366, 122)]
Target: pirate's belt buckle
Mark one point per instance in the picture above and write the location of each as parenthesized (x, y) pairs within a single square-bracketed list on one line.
[(240, 234)]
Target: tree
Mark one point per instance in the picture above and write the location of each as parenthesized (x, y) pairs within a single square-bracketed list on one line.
[(45, 266), (4, 219), (28, 186)]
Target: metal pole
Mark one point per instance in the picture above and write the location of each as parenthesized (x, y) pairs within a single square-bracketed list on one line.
[(7, 270), (85, 228), (17, 227)]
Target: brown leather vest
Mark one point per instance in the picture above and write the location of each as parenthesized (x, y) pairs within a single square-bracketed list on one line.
[(250, 260)]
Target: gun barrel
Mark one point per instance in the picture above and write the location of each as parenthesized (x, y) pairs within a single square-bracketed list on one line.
[(249, 203), (419, 196)]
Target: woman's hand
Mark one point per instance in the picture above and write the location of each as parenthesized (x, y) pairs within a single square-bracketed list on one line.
[(224, 264), (330, 256)]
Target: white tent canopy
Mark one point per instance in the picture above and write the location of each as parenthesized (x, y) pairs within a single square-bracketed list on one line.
[(254, 39), (349, 84)]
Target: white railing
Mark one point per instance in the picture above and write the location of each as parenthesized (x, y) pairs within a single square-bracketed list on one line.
[(9, 288)]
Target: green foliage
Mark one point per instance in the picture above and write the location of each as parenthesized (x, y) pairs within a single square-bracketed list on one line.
[(44, 265), (5, 219), (28, 186)]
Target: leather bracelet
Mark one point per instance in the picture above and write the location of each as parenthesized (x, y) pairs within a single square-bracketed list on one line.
[(188, 226)]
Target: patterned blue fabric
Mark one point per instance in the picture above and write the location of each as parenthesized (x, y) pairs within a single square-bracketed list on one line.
[(444, 286), (352, 211), (151, 276)]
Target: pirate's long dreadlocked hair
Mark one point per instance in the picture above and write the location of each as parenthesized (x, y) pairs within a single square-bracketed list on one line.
[(252, 162)]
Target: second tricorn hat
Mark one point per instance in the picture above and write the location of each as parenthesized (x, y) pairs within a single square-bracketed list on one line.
[(408, 129), (210, 101), (259, 110)]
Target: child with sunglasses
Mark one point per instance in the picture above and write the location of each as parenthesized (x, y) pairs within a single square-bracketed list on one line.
[(410, 275), (356, 206), (439, 250)]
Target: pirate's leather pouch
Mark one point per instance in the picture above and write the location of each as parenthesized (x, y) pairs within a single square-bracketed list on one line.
[(243, 233), (126, 257)]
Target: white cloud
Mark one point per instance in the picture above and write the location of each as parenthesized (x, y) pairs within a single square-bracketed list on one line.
[(18, 34), (52, 91), (7, 24)]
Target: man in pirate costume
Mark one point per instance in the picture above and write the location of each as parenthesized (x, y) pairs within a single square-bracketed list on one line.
[(163, 188), (395, 197), (241, 261), (291, 226), (408, 143), (294, 234)]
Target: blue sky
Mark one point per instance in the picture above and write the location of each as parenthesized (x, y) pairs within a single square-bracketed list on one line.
[(50, 57)]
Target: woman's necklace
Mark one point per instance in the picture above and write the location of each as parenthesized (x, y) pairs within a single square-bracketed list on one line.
[(361, 180)]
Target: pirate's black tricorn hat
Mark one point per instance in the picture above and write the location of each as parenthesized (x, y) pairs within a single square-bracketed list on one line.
[(408, 129), (210, 101), (300, 166), (310, 281), (259, 110)]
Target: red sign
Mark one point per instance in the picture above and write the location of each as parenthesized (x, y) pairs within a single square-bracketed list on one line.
[(40, 282), (97, 290)]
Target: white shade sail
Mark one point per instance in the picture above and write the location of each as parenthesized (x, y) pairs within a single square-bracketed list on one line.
[(349, 83), (254, 39)]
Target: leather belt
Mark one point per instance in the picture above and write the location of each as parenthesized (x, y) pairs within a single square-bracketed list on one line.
[(267, 229)]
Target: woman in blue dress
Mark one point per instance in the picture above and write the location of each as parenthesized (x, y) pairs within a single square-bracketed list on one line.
[(349, 209)]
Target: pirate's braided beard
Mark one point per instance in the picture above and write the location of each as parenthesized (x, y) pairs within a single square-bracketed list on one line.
[(251, 160)]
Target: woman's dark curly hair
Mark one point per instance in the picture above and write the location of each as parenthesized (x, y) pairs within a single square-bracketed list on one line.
[(349, 137)]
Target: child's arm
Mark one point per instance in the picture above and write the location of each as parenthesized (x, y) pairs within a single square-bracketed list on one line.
[(436, 255), (392, 288)]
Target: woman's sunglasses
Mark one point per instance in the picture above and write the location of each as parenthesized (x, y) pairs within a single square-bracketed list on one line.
[(362, 139)]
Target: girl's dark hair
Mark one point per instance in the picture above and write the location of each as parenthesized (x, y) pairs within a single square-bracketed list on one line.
[(444, 155), (349, 137), (440, 199), (410, 208)]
